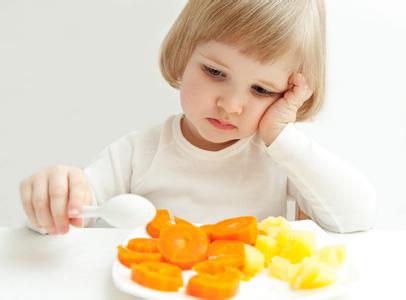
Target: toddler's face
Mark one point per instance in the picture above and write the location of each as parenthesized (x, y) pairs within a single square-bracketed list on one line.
[(225, 93)]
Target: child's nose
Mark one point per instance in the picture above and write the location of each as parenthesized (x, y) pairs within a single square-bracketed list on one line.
[(233, 104)]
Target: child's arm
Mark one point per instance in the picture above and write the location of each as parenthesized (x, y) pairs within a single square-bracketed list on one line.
[(48, 196), (109, 174), (327, 189)]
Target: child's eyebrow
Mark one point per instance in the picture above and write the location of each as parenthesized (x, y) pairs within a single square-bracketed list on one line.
[(215, 60)]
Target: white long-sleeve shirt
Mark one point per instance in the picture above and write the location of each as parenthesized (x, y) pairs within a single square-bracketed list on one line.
[(246, 178)]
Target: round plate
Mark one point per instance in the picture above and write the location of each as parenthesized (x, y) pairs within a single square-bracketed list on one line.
[(260, 287)]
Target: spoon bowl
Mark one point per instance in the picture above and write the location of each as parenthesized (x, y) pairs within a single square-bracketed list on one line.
[(123, 211)]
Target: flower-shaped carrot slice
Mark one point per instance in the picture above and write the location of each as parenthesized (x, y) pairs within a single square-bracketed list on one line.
[(143, 245), (128, 257), (244, 229), (214, 286), (160, 221), (183, 245), (216, 265), (227, 248), (157, 275)]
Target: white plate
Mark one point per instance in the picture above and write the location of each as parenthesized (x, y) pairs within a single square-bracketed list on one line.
[(260, 287)]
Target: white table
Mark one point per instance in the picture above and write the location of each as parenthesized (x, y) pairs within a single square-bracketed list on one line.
[(78, 265)]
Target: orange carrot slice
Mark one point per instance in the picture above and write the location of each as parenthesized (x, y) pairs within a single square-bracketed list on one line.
[(143, 245), (128, 257), (227, 248), (160, 221), (183, 245), (183, 221), (214, 286), (207, 228), (157, 275), (216, 265), (244, 229)]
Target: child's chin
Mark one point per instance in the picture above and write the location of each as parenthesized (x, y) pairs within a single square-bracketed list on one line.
[(221, 140)]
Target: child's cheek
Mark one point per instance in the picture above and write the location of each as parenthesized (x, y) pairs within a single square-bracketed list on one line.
[(254, 114), (195, 96)]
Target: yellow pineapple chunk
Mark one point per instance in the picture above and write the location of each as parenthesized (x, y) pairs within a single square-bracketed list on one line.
[(333, 256), (291, 255), (254, 261), (273, 225), (268, 246), (312, 274), (282, 268), (296, 244)]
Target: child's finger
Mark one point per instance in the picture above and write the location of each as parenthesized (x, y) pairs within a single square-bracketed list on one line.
[(78, 222), (305, 91), (58, 193), (40, 201), (77, 194), (300, 91), (25, 194)]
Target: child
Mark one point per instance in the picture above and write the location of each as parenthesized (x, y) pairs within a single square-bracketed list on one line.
[(246, 71)]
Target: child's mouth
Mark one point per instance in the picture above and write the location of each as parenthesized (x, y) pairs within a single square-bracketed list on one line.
[(221, 124)]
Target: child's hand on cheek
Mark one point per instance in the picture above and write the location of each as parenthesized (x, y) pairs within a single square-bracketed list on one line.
[(284, 110)]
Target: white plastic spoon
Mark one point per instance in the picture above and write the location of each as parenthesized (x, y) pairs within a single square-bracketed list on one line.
[(122, 211)]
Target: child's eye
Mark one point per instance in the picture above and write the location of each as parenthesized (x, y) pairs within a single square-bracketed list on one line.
[(213, 72), (261, 91)]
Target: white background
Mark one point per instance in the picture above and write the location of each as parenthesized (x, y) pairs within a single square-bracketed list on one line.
[(76, 75)]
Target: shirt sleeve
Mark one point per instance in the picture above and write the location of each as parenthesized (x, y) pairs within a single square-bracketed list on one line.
[(109, 174), (327, 189)]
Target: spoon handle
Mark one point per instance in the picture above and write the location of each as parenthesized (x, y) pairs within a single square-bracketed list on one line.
[(90, 211)]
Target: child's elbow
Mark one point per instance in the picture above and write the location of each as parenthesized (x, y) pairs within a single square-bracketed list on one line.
[(361, 219), (363, 222), (358, 215)]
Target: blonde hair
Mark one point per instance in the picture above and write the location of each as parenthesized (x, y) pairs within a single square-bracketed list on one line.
[(262, 29)]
